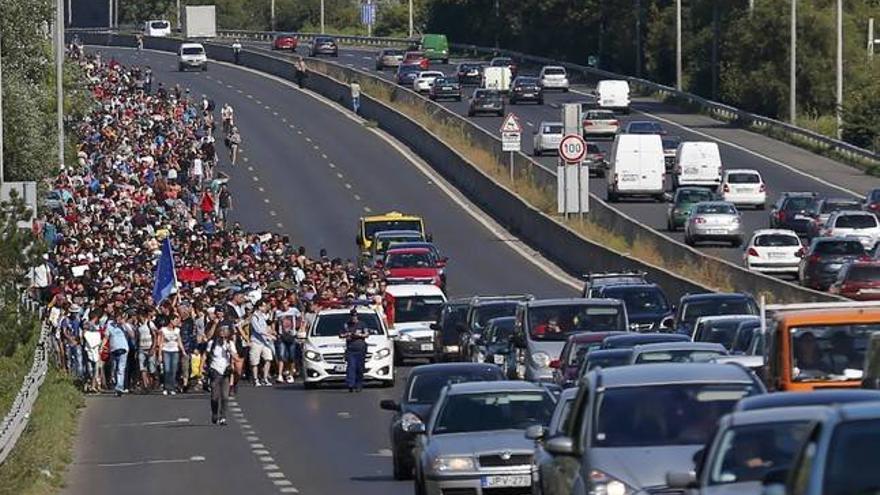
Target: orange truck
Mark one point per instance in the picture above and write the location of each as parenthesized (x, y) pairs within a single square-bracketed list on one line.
[(817, 345)]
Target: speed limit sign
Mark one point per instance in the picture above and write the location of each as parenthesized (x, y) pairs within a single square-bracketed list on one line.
[(572, 148)]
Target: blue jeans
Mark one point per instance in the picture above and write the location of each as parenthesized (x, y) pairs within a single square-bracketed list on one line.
[(75, 361), (356, 103), (170, 363), (354, 371), (120, 360)]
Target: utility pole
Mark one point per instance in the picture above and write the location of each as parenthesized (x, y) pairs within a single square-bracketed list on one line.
[(322, 16), (369, 18), (410, 18), (110, 14), (59, 75), (178, 15), (272, 15), (1, 110), (116, 14), (870, 39), (638, 38), (497, 24), (839, 105), (678, 82), (69, 12), (751, 7), (715, 35), (792, 73)]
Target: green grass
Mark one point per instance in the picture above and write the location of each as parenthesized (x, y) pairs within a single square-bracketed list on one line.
[(37, 465), (13, 370)]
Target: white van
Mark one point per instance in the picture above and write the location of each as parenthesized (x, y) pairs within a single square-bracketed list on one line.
[(157, 27), (498, 78), (697, 163), (192, 56), (613, 95), (636, 167)]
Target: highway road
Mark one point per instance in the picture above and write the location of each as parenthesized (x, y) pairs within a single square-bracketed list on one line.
[(310, 171), (784, 167)]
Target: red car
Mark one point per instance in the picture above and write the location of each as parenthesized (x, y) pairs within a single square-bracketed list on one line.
[(284, 42), (578, 345), (416, 58), (859, 280), (413, 265)]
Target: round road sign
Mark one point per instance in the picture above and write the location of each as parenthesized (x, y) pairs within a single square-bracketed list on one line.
[(572, 148)]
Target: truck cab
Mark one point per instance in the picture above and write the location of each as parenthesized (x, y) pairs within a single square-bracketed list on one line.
[(410, 310), (393, 220)]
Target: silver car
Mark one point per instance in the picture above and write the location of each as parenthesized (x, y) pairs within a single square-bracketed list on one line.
[(713, 221), (389, 57), (542, 460), (475, 439), (676, 352), (547, 138), (600, 123)]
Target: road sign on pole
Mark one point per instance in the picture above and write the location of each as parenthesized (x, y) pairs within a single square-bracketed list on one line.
[(368, 14), (511, 124), (511, 138), (572, 149)]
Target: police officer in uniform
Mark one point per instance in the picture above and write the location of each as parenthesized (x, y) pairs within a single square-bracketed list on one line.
[(355, 352)]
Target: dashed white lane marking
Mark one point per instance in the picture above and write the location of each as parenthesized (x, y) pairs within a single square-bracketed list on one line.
[(268, 458), (151, 423), (229, 86), (291, 126), (258, 102), (275, 113), (347, 185), (530, 124), (299, 132), (272, 213), (251, 438), (339, 175), (270, 467), (239, 91), (357, 197), (308, 139), (261, 190), (256, 179), (255, 446), (250, 168), (324, 156), (261, 452), (246, 159), (381, 453), (349, 65), (367, 209), (366, 58), (275, 474), (284, 119), (288, 489), (281, 482), (279, 225), (349, 55), (250, 97), (331, 165), (316, 147)]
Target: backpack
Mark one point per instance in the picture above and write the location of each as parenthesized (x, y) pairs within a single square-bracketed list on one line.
[(210, 105)]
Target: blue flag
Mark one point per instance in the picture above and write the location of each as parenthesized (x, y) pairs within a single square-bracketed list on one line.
[(165, 281)]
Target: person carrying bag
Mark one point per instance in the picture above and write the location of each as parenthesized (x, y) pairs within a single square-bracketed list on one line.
[(220, 355)]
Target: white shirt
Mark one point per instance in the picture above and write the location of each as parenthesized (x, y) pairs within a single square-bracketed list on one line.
[(289, 320), (40, 275), (355, 90), (221, 355), (197, 168), (170, 339)]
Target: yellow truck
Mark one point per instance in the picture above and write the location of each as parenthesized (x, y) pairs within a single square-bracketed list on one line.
[(393, 220)]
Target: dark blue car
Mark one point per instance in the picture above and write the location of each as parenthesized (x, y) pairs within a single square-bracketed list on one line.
[(647, 308), (691, 307)]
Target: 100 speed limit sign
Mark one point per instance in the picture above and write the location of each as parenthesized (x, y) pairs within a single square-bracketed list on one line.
[(572, 148)]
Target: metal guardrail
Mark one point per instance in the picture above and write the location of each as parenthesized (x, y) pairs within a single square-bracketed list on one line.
[(798, 135), (19, 414)]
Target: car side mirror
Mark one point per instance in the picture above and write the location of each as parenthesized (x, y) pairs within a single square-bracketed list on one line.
[(668, 323), (429, 237), (681, 479), (417, 429), (561, 445), (389, 405), (667, 197), (435, 327), (393, 333), (535, 432)]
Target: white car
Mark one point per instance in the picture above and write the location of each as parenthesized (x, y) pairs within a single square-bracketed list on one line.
[(324, 350), (547, 138), (743, 187), (423, 82), (773, 251), (192, 56), (554, 77), (410, 310), (859, 224)]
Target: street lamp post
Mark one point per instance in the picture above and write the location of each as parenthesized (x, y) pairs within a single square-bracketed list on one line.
[(1, 112), (272, 15), (871, 39), (638, 38), (792, 73), (59, 76), (410, 18), (322, 16), (839, 109), (678, 82)]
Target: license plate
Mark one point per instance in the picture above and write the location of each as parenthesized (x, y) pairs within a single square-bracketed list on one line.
[(427, 347), (691, 170), (717, 231), (447, 88), (511, 480), (742, 190), (529, 94), (339, 368), (833, 267), (801, 217), (498, 358), (776, 255), (630, 178)]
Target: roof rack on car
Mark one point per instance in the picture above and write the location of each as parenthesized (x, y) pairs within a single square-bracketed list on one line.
[(507, 297)]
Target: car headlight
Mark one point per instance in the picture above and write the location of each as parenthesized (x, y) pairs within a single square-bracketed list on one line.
[(382, 353), (447, 464), (541, 359), (313, 356), (409, 419), (603, 484), (405, 337)]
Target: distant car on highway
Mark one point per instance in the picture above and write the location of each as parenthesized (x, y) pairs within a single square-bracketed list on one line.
[(595, 160), (773, 251), (824, 258), (284, 42), (324, 45), (643, 127), (384, 239), (412, 265), (424, 80), (605, 358), (435, 47), (526, 89), (612, 94), (554, 77), (494, 345), (445, 88), (423, 386), (410, 309), (547, 137), (723, 329), (416, 58), (470, 73), (823, 209), (692, 307), (859, 280), (632, 339), (475, 438), (192, 56), (670, 150), (389, 57), (157, 27), (407, 73), (505, 62), (743, 187), (697, 163), (595, 281), (792, 211), (600, 123), (676, 352), (682, 203), (486, 101), (571, 359), (714, 221), (872, 201), (647, 308), (480, 311), (861, 225)]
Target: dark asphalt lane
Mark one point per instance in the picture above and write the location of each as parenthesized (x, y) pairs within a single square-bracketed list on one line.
[(324, 441)]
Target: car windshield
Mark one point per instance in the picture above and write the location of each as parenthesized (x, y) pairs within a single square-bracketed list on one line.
[(373, 226), (749, 452), (501, 62), (424, 388), (410, 260), (193, 50), (743, 178), (525, 81), (331, 325), (557, 321), (643, 127), (777, 240), (640, 300), (843, 248), (392, 52), (744, 335), (719, 332), (830, 352), (445, 80), (690, 196), (851, 468), (482, 314), (486, 95), (383, 243), (490, 411), (324, 40), (832, 206), (798, 203), (716, 209), (417, 308), (607, 359), (600, 116), (554, 71), (717, 307), (863, 273), (662, 415), (159, 25), (679, 356), (855, 222), (552, 129), (501, 331), (671, 143)]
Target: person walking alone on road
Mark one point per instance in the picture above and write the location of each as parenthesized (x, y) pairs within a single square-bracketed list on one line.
[(227, 115), (355, 352), (236, 51), (234, 144), (220, 353), (300, 66), (355, 96), (140, 42)]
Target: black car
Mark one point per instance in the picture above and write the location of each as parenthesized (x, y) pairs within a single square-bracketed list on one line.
[(605, 358), (647, 308), (445, 88), (792, 211), (597, 280), (825, 257), (495, 346), (469, 73), (324, 45), (505, 62), (486, 101), (823, 209), (814, 398), (692, 307), (421, 391), (526, 89), (448, 329), (670, 149), (482, 309), (407, 73)]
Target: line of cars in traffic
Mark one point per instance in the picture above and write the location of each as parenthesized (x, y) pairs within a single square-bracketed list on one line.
[(565, 396)]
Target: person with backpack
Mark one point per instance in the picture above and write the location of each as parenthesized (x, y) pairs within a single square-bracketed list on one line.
[(220, 354)]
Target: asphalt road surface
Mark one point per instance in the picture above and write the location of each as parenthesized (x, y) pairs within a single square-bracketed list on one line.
[(309, 171)]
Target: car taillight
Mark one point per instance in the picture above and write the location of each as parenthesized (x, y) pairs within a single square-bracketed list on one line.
[(614, 122), (800, 253), (699, 220), (864, 257), (780, 215), (753, 252), (726, 188), (587, 123), (763, 188), (815, 258)]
